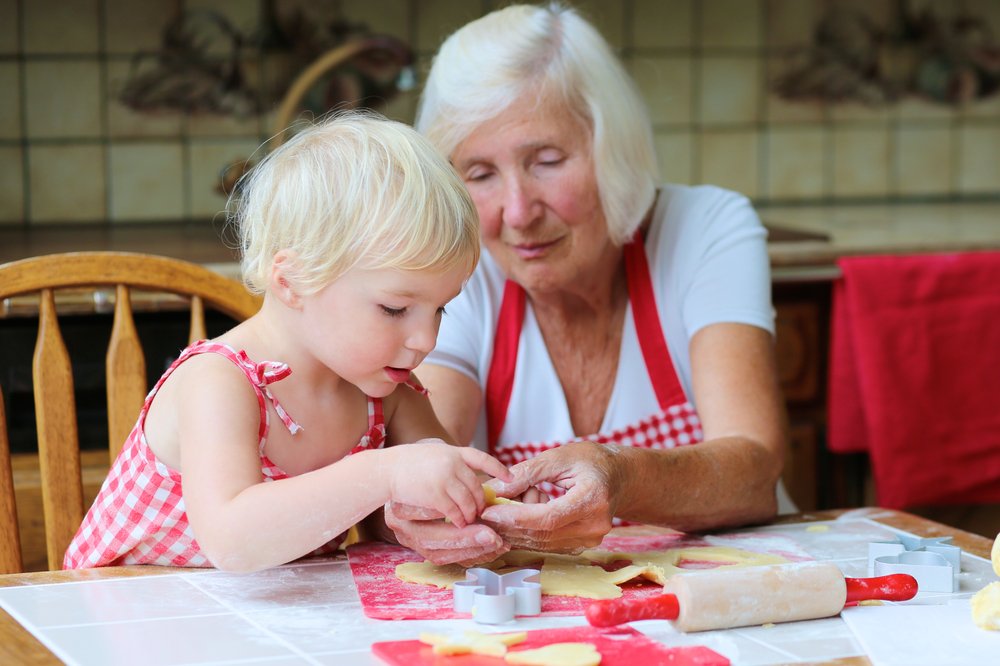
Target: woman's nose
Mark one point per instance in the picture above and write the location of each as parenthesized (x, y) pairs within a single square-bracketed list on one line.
[(520, 204)]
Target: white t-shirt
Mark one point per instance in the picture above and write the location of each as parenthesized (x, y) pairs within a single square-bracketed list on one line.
[(707, 252)]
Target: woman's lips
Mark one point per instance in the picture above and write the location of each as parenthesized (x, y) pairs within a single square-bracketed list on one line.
[(398, 375), (533, 250)]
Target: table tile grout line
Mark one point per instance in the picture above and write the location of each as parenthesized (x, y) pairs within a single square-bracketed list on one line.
[(40, 635), (281, 641)]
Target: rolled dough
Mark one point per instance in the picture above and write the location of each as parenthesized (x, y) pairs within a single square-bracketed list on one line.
[(579, 575)]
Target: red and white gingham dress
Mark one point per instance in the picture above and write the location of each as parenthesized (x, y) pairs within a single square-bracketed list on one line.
[(139, 516)]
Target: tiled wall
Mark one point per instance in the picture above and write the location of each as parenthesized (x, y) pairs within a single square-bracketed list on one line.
[(69, 152)]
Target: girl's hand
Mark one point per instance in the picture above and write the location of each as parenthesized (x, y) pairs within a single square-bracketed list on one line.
[(433, 475)]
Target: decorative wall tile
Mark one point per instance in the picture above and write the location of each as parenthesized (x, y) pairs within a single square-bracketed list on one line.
[(795, 163), (924, 159), (436, 19), (607, 16), (730, 90), (66, 183), (9, 43), (126, 122), (11, 185), (133, 26), (730, 24), (63, 99), (60, 26), (790, 23), (386, 17), (666, 87), (730, 158), (147, 182), (860, 161), (10, 101), (979, 159), (674, 153), (659, 24), (207, 160)]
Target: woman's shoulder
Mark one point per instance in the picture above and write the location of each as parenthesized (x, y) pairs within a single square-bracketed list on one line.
[(680, 199)]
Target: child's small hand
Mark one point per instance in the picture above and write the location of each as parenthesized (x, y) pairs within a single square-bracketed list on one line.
[(437, 476)]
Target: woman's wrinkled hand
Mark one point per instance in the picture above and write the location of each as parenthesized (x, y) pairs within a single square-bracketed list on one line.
[(423, 531), (568, 524)]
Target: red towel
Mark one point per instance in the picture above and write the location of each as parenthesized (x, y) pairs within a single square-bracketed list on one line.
[(915, 375)]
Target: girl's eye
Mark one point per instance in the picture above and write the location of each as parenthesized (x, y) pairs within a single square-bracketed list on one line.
[(393, 312)]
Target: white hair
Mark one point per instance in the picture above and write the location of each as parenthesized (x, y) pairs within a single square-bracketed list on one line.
[(547, 52)]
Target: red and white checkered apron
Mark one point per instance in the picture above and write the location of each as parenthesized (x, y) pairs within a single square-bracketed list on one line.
[(676, 424), (139, 517)]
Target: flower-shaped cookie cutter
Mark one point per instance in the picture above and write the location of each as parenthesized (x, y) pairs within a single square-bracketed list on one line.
[(934, 562), (494, 598)]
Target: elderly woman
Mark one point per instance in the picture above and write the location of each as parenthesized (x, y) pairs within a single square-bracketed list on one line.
[(616, 341)]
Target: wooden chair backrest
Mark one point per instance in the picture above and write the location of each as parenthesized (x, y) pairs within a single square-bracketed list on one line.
[(55, 410)]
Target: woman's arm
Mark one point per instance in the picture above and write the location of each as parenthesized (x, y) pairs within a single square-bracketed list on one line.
[(456, 398)]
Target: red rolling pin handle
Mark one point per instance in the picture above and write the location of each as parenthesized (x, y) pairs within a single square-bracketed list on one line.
[(610, 612), (894, 587)]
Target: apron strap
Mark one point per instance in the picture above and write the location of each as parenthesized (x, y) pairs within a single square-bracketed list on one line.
[(500, 382), (659, 365)]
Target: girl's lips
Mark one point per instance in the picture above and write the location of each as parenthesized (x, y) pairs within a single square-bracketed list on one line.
[(398, 375)]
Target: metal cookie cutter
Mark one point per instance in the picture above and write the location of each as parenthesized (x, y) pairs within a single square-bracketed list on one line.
[(494, 598), (935, 563)]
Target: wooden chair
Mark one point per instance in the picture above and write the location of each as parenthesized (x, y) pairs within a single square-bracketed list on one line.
[(55, 411)]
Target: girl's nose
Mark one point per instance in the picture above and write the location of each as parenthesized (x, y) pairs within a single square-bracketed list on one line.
[(423, 337)]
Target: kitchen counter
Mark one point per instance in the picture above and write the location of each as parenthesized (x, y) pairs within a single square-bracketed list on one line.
[(805, 241), (873, 229)]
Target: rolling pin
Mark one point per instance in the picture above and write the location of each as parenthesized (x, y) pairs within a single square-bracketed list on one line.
[(739, 597)]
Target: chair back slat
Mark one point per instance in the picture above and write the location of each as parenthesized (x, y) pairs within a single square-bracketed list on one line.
[(10, 536), (58, 439), (125, 366), (58, 442), (197, 331)]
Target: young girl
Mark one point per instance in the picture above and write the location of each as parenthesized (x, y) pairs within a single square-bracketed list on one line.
[(270, 441)]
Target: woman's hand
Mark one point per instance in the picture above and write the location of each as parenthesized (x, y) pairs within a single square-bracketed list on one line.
[(577, 520), (440, 542)]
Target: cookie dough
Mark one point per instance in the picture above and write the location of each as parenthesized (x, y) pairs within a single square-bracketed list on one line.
[(986, 607), (579, 575), (995, 556), (473, 642), (557, 654)]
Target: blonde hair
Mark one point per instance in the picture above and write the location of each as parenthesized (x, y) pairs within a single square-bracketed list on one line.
[(353, 188), (547, 52)]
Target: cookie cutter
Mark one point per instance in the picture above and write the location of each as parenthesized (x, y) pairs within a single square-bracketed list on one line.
[(494, 598), (934, 562)]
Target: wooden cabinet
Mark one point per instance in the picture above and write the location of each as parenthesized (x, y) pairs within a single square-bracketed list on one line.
[(802, 340)]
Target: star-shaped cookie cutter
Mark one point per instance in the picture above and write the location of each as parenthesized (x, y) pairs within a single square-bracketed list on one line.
[(934, 562), (494, 598)]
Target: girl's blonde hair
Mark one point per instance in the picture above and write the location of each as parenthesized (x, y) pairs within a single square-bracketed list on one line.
[(355, 187), (547, 52)]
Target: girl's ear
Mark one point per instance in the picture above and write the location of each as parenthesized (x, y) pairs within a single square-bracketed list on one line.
[(281, 282)]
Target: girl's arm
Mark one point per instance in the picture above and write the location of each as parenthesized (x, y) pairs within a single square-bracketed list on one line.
[(245, 524)]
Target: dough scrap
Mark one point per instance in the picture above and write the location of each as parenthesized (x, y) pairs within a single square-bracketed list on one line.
[(986, 607), (557, 654), (492, 498), (473, 642), (577, 575)]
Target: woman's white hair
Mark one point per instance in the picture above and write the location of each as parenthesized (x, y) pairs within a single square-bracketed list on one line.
[(547, 52), (353, 188)]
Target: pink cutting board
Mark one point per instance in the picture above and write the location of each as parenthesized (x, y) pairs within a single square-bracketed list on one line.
[(618, 647), (385, 597)]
